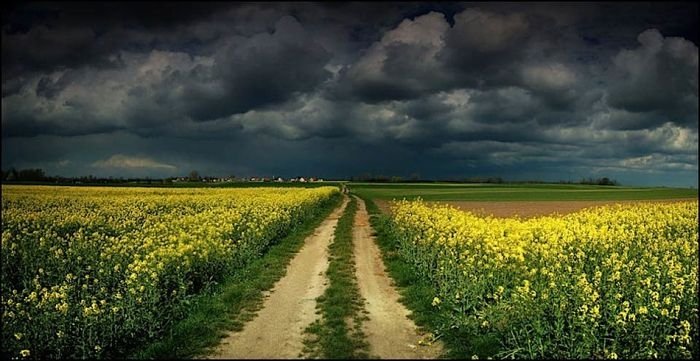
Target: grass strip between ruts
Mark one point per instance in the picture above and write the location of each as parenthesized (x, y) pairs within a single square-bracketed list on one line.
[(337, 334)]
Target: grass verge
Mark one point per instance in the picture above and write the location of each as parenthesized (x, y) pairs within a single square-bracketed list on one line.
[(417, 295), (337, 334), (233, 302)]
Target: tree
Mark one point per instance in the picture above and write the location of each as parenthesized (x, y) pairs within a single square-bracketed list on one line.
[(31, 174), (11, 174), (605, 181), (194, 176)]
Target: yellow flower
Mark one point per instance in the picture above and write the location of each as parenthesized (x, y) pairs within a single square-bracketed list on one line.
[(170, 234), (564, 260), (686, 326), (24, 353)]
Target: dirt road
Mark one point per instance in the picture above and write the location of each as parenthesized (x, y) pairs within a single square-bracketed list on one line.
[(390, 333), (278, 329)]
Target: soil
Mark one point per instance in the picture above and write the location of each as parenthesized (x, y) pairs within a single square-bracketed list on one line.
[(277, 331), (390, 332), (527, 209)]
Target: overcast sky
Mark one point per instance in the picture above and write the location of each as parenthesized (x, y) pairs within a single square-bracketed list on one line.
[(516, 90)]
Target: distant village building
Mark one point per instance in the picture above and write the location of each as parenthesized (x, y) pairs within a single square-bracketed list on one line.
[(248, 179)]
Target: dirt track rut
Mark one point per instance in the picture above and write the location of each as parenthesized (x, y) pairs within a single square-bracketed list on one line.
[(277, 331), (390, 333)]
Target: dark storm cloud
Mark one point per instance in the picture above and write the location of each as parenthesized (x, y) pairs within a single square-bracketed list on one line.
[(501, 88), (480, 49), (483, 47), (262, 70), (49, 88), (43, 48), (400, 65), (46, 36), (660, 76), (244, 74)]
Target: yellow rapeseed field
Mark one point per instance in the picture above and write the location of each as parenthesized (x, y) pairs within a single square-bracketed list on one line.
[(616, 281), (87, 269)]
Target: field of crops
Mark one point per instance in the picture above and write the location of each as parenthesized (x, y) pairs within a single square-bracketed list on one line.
[(515, 192), (618, 281), (87, 270)]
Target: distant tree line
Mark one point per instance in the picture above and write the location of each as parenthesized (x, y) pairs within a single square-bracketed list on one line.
[(24, 175), (415, 177), (605, 181), (475, 179), (38, 175)]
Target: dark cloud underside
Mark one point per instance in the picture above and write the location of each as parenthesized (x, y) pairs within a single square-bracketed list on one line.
[(518, 90)]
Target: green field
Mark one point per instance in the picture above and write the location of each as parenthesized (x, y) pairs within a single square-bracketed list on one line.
[(515, 192)]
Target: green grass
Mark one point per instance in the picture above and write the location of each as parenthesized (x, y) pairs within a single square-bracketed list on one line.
[(515, 192), (417, 295), (338, 333), (235, 301)]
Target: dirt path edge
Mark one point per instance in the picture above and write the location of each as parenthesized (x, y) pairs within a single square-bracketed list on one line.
[(390, 332), (277, 331)]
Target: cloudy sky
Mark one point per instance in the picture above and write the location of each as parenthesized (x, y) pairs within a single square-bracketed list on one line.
[(517, 90)]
